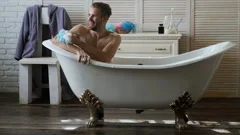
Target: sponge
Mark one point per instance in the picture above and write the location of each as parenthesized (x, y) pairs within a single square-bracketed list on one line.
[(64, 36)]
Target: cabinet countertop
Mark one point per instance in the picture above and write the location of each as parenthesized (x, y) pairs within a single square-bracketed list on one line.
[(151, 34)]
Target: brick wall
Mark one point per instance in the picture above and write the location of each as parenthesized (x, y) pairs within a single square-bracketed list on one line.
[(11, 15)]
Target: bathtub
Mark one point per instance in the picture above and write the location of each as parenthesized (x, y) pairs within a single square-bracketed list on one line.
[(142, 83)]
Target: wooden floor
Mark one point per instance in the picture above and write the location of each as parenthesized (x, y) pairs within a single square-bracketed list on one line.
[(208, 117)]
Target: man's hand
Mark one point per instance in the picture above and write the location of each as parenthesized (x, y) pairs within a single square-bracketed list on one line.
[(83, 56)]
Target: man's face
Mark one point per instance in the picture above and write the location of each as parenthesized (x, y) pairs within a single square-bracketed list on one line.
[(95, 20)]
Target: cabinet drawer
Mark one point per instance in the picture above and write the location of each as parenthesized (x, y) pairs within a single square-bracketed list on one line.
[(144, 49), (144, 46), (148, 45)]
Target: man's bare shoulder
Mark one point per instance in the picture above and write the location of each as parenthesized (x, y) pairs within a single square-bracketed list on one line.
[(115, 36)]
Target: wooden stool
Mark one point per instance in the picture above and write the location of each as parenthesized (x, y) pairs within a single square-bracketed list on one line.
[(25, 79)]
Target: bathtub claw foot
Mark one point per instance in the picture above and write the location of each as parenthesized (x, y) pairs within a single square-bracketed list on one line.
[(179, 107), (95, 107)]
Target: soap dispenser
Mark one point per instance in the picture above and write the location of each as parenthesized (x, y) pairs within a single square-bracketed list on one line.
[(160, 29)]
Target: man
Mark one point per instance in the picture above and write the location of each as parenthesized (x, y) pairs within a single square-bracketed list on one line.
[(108, 42)]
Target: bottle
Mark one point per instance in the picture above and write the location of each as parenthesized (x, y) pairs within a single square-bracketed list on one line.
[(166, 24), (172, 28), (160, 29)]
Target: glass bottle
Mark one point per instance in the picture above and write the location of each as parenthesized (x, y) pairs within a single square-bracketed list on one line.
[(166, 22), (172, 28)]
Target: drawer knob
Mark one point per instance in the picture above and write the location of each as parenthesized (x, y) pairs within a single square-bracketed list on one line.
[(119, 48), (160, 49)]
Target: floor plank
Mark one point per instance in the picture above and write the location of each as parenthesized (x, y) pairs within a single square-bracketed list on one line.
[(209, 116)]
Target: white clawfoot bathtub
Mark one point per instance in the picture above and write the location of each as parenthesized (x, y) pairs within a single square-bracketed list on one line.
[(153, 85)]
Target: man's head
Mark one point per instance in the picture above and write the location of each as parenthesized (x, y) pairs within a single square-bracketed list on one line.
[(98, 15)]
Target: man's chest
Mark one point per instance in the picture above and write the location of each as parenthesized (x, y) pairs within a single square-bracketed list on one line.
[(102, 43)]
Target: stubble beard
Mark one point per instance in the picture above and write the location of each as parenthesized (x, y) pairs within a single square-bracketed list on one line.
[(96, 28)]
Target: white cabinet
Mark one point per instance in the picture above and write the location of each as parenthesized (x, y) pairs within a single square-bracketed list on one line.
[(148, 45)]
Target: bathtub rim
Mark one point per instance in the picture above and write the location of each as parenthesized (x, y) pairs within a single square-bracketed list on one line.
[(228, 45)]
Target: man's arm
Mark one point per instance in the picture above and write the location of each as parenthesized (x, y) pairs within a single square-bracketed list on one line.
[(108, 51), (82, 56)]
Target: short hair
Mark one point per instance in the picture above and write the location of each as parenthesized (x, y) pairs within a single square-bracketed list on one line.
[(104, 7)]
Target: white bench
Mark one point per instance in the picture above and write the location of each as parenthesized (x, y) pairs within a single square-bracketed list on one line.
[(25, 79), (27, 70)]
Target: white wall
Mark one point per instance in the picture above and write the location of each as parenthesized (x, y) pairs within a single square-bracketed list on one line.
[(11, 14)]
